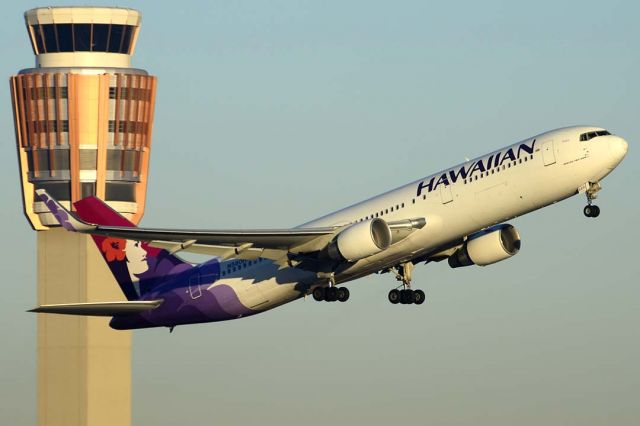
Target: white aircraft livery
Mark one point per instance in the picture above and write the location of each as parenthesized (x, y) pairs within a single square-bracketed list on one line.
[(457, 214)]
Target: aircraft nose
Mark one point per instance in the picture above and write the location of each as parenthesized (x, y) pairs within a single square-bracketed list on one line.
[(618, 148)]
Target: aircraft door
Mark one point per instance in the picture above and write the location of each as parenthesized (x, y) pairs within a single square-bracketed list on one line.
[(548, 152), (445, 194), (194, 285)]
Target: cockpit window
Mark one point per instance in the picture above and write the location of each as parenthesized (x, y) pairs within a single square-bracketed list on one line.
[(590, 135)]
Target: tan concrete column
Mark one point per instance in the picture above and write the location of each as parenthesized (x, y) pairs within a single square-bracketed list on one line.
[(84, 367)]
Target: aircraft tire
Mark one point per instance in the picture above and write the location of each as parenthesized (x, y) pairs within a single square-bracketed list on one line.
[(318, 294), (596, 211), (331, 294), (394, 296), (406, 297), (419, 297), (343, 294)]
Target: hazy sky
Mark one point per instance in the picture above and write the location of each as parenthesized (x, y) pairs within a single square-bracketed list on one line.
[(272, 113)]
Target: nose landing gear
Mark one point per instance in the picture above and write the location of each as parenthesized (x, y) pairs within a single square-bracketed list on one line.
[(592, 188), (406, 295)]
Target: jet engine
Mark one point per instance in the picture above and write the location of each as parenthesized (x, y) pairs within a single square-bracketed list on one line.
[(489, 246), (360, 240)]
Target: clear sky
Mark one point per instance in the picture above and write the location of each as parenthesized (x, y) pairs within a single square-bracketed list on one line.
[(272, 113)]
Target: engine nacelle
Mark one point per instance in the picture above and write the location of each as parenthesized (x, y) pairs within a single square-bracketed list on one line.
[(486, 247), (361, 240)]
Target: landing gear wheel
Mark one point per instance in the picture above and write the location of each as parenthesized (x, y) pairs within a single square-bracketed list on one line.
[(591, 211), (419, 297), (331, 294), (394, 296), (318, 294), (343, 294), (406, 297)]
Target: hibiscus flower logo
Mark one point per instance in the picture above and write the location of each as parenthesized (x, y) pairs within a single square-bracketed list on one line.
[(113, 248)]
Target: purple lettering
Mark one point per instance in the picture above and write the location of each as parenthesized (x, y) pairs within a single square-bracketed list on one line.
[(443, 179), (525, 148), (422, 185), (508, 156), (478, 166), (462, 173)]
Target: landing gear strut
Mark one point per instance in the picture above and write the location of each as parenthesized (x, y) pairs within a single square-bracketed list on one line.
[(591, 210), (406, 295)]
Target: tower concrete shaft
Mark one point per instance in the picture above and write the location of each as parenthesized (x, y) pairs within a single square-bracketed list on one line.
[(83, 124)]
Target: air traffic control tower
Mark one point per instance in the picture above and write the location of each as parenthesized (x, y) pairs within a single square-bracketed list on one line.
[(83, 122)]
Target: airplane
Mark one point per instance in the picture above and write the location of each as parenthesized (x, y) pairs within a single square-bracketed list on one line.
[(458, 214)]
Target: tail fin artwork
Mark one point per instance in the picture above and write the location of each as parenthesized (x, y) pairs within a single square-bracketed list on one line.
[(137, 267)]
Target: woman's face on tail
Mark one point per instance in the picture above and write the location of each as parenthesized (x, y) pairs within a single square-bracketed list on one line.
[(136, 257)]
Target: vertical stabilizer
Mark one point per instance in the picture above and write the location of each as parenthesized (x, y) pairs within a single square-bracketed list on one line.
[(136, 266)]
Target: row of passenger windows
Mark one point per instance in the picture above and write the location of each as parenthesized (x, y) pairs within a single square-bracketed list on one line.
[(469, 180), (53, 38), (235, 266), (382, 212), (498, 169), (590, 135)]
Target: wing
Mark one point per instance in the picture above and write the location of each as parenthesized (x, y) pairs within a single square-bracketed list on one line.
[(229, 243), (243, 244)]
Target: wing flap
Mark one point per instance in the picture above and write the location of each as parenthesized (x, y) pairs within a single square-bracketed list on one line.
[(100, 309)]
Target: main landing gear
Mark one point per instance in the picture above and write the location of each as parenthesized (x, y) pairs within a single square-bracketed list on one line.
[(331, 293), (406, 295), (591, 210)]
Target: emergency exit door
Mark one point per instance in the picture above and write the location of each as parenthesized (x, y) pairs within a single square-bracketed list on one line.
[(548, 152)]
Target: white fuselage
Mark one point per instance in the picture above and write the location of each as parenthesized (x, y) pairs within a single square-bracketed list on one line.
[(487, 190)]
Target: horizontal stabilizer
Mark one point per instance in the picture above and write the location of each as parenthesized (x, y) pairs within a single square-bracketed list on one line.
[(99, 309)]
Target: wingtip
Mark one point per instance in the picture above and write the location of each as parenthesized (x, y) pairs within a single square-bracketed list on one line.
[(67, 220)]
